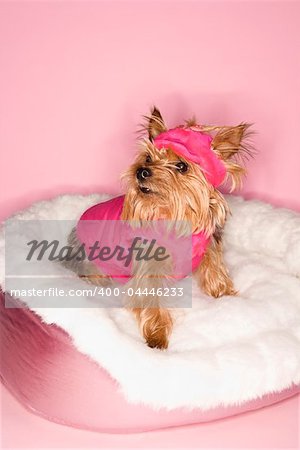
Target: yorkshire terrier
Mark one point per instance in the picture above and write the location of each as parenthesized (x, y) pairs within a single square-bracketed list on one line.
[(175, 177)]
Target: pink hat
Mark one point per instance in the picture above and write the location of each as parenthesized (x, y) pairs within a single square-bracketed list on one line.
[(194, 146)]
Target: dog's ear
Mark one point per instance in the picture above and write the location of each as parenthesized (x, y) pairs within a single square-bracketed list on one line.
[(232, 145), (156, 124), (229, 141)]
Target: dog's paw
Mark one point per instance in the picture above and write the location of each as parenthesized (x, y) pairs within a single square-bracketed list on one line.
[(161, 342), (230, 291), (221, 291), (218, 286), (155, 325)]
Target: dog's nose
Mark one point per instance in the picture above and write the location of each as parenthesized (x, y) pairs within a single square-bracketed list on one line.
[(142, 173)]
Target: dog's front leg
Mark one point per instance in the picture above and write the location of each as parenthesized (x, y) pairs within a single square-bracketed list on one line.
[(154, 320), (155, 325), (212, 274)]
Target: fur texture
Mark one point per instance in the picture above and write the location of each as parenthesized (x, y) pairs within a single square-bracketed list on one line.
[(221, 352)]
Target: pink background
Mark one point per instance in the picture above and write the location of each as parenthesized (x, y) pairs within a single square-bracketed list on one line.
[(76, 77)]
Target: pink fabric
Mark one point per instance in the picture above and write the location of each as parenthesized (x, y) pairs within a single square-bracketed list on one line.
[(117, 233), (194, 146), (51, 378)]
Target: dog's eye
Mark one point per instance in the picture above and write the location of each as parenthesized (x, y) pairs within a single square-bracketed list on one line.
[(148, 159), (181, 167)]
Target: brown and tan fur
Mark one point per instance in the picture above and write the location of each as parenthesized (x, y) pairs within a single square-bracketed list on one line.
[(180, 197)]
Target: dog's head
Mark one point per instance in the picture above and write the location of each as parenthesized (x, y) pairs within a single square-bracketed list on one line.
[(177, 172)]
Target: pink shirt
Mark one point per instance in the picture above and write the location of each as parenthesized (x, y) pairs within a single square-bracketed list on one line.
[(115, 233)]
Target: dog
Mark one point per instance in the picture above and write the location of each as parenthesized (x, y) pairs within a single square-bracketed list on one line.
[(175, 176)]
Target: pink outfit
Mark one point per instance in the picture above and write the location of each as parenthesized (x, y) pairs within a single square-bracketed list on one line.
[(194, 146), (118, 233)]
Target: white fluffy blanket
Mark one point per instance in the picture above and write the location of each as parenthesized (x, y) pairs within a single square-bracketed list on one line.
[(221, 351)]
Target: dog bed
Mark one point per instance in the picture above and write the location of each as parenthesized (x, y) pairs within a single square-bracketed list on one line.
[(88, 367)]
